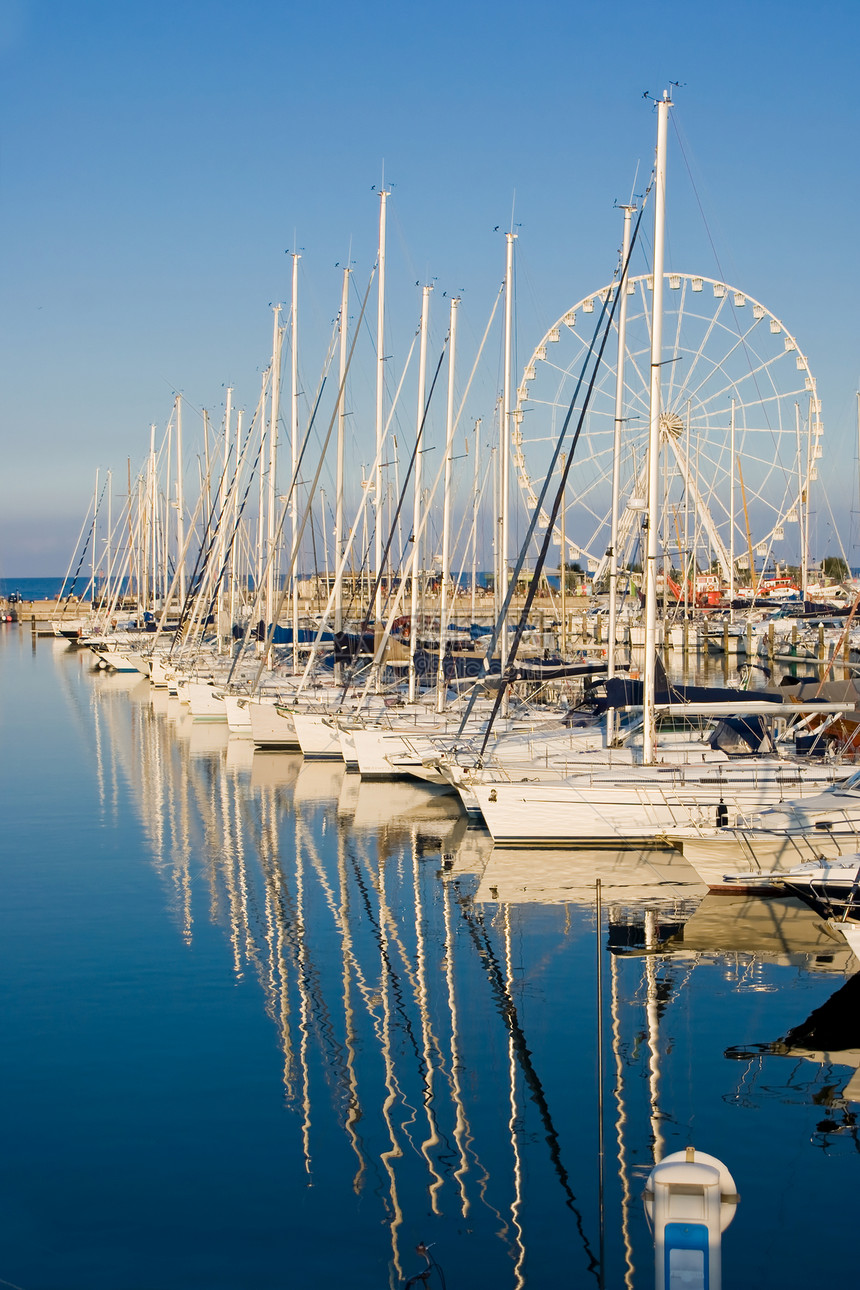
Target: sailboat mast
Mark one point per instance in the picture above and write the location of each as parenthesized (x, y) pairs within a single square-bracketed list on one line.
[(850, 571), (180, 503), (273, 463), (207, 490), (139, 553), (650, 670), (804, 567), (294, 449), (380, 393), (152, 569), (732, 511), (165, 542), (476, 501), (505, 445), (416, 502), (133, 568), (95, 556), (341, 438), (498, 598), (106, 589), (446, 511), (220, 591), (234, 524), (562, 582), (261, 500), (688, 563), (616, 452)]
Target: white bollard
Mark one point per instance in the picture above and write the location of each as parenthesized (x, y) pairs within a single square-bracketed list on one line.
[(690, 1199)]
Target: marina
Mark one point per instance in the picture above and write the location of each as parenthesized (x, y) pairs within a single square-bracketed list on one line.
[(247, 993), (431, 831)]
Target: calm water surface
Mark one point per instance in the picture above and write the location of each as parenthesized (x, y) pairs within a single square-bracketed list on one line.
[(267, 1026)]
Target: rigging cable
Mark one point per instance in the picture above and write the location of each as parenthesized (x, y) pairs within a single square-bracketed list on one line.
[(297, 541), (83, 550), (365, 623), (541, 560)]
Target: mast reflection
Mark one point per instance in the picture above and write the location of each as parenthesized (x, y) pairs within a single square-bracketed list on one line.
[(398, 956)]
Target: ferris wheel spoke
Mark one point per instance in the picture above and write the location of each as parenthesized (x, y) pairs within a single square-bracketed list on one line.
[(739, 341), (591, 471), (728, 384), (605, 368), (758, 476), (764, 510), (748, 388), (642, 395), (563, 372), (675, 376), (762, 463), (710, 330), (578, 368), (547, 403), (749, 450), (643, 294)]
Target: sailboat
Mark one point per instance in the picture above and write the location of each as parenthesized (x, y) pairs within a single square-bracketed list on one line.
[(798, 829), (634, 793), (831, 888)]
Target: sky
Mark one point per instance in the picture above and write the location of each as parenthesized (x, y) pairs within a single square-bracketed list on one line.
[(159, 162)]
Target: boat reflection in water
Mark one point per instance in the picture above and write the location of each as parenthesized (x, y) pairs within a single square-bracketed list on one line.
[(649, 876), (829, 1038), (751, 929), (434, 1001)]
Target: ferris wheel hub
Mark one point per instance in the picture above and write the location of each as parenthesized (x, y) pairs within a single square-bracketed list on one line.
[(671, 424)]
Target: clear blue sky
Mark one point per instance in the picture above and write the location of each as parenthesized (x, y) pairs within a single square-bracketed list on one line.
[(158, 160)]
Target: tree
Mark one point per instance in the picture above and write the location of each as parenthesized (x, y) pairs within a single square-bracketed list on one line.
[(833, 566), (572, 575)]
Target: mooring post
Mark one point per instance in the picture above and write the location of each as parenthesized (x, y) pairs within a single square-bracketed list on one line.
[(690, 1199)]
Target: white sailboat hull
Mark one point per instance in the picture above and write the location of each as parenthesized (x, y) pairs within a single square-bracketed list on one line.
[(271, 728), (238, 717), (205, 702), (641, 804), (317, 736)]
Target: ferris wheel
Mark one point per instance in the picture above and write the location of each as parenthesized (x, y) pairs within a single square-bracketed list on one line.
[(741, 428)]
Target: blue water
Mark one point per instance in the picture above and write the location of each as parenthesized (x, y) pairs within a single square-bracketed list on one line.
[(266, 1026), (47, 588), (37, 588)]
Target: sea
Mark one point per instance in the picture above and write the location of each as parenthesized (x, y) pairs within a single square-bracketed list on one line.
[(38, 588), (266, 1025)]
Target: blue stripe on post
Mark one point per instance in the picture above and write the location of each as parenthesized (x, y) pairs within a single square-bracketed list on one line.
[(685, 1248)]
